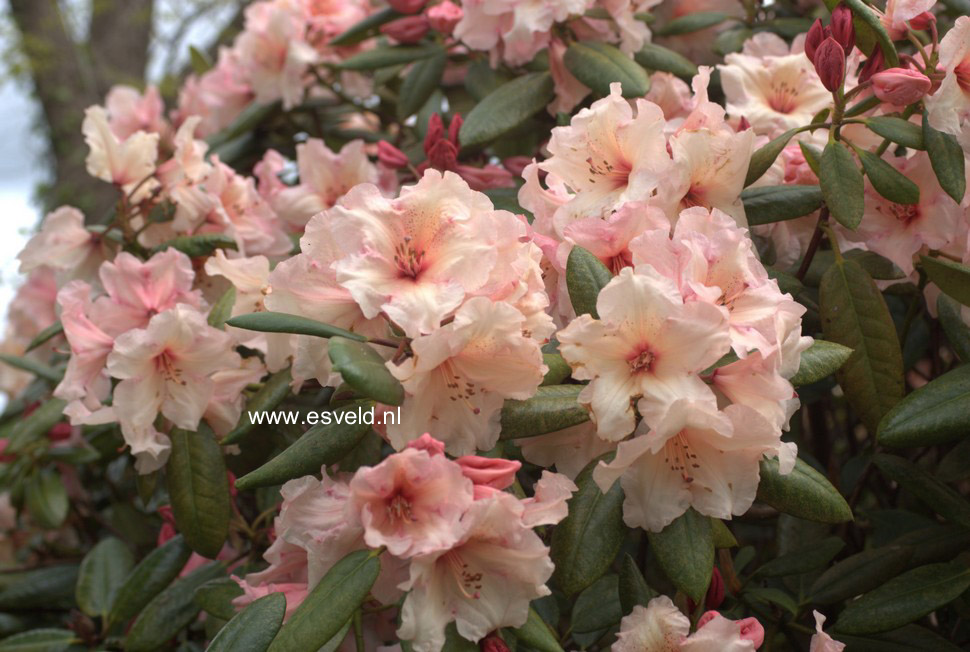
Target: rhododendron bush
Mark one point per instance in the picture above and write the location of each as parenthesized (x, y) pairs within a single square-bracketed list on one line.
[(535, 326)]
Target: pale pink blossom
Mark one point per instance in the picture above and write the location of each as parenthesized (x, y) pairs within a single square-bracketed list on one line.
[(218, 96), (228, 401), (130, 111), (286, 574), (182, 176), (569, 450), (609, 238), (125, 162), (822, 642), (671, 94), (899, 12), (569, 90), (63, 244), (548, 503), (949, 106), (662, 627)]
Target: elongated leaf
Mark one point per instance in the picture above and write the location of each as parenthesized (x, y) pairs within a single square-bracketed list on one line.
[(32, 366), (552, 408), (634, 589), (366, 28), (887, 180), (199, 490), (195, 246), (685, 552), (820, 360), (51, 587), (905, 598), (805, 559), (169, 611), (505, 108), (957, 331), (762, 159), (813, 156), (253, 628), (363, 368), (222, 309), (842, 185), (382, 57), (598, 65), (323, 444), (955, 465), (149, 578), (101, 574), (866, 15), (330, 604), (767, 204), (855, 315), (586, 275), (585, 543), (723, 537), (902, 132), (859, 573), (47, 501), (804, 493), (657, 57), (45, 335), (942, 499), (559, 369), (946, 157), (45, 639), (596, 610), (911, 638), (933, 414), (952, 277), (279, 322), (692, 22), (937, 543), (423, 78), (271, 394), (537, 634), (215, 597)]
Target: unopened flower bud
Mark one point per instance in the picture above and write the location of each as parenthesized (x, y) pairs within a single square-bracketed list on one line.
[(715, 590), (842, 30), (435, 132), (443, 17), (409, 29), (830, 64), (493, 643), (900, 86), (922, 21), (814, 38), (873, 64), (743, 124), (406, 6), (751, 630), (390, 155)]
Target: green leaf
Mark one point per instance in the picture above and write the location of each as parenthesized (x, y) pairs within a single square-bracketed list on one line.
[(596, 610), (878, 267), (195, 246), (911, 638), (585, 543), (955, 465), (819, 361), (537, 634), (423, 78), (363, 368), (764, 156), (553, 408), (101, 574), (51, 331), (813, 156), (199, 490), (586, 275), (382, 57), (215, 597), (634, 589), (842, 185), (32, 366), (905, 598), (366, 28), (51, 587), (222, 309), (253, 628), (937, 543), (957, 331), (280, 322), (933, 414), (657, 57), (149, 578), (169, 611), (887, 180), (598, 65), (862, 11), (854, 314), (321, 445), (767, 204), (805, 559), (723, 537), (685, 552), (951, 277), (559, 369), (330, 604), (902, 132), (506, 107), (731, 40), (804, 493), (692, 22), (946, 157), (859, 573), (771, 596), (200, 60), (945, 501), (44, 639), (46, 497), (270, 395)]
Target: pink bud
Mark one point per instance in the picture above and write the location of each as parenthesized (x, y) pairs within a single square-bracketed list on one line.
[(60, 432), (900, 86), (390, 155), (436, 131), (923, 21), (493, 643), (814, 38), (516, 164), (406, 6), (453, 128), (842, 29), (443, 155), (830, 64), (483, 178), (493, 472), (443, 17), (873, 64), (715, 591), (428, 443), (751, 630), (409, 29)]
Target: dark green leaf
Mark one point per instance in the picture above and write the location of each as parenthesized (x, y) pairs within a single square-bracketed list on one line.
[(51, 587), (253, 628), (537, 634), (423, 78), (957, 331), (279, 322), (933, 414), (911, 638), (585, 543), (552, 408), (586, 275), (887, 180), (842, 185), (51, 331), (685, 552), (506, 107), (859, 573), (946, 157), (905, 598), (902, 132), (955, 465), (813, 156), (771, 596), (32, 366), (215, 597), (763, 158), (39, 640), (382, 57), (559, 369), (243, 126), (101, 574), (596, 610), (222, 309), (363, 368), (804, 493), (330, 604), (47, 501), (657, 57), (936, 543), (195, 246), (149, 578), (692, 22), (271, 394), (767, 204), (723, 537), (951, 277), (854, 314), (731, 40), (942, 499), (634, 589), (199, 490), (598, 65), (806, 559), (366, 28), (878, 267), (820, 360)]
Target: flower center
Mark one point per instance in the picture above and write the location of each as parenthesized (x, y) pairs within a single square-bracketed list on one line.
[(905, 213), (783, 97), (166, 367), (399, 509), (459, 389), (679, 456), (962, 73), (617, 176), (469, 583), (409, 260), (642, 361)]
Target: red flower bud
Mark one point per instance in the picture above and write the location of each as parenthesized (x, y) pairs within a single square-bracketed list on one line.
[(493, 643), (406, 6), (743, 124), (715, 591), (900, 86), (873, 64), (842, 29), (814, 38), (453, 128), (830, 64), (436, 131), (59, 432), (409, 29), (922, 21), (443, 17), (390, 155), (443, 155)]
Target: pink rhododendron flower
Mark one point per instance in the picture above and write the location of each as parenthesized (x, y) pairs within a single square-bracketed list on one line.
[(492, 472), (898, 12), (900, 86), (63, 244), (130, 111), (125, 162), (569, 450), (822, 642), (218, 96), (548, 504), (661, 626), (949, 105)]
